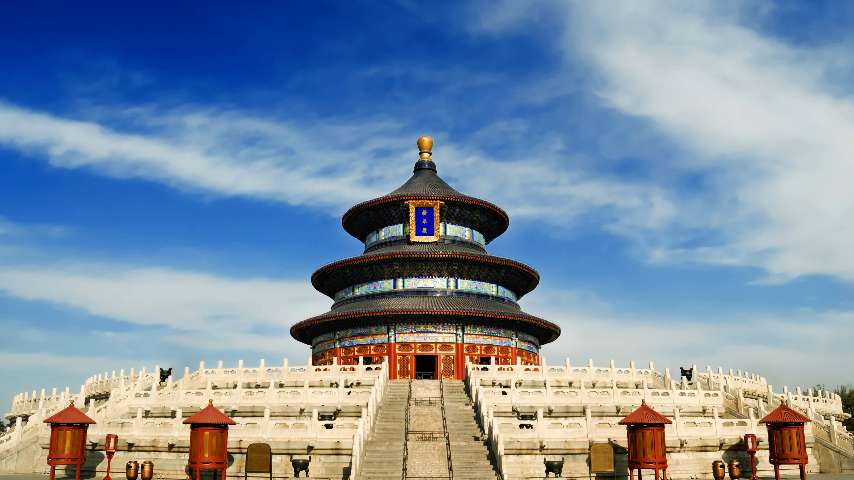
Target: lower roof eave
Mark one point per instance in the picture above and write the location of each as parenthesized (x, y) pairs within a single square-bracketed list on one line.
[(303, 331)]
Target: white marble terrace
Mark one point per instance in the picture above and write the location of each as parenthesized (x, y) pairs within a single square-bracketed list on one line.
[(527, 412), (269, 403), (522, 406)]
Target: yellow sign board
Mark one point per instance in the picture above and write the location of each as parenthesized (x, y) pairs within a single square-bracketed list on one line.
[(601, 458)]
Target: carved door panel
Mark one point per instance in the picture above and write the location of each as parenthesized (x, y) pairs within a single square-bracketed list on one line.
[(448, 366), (405, 366)]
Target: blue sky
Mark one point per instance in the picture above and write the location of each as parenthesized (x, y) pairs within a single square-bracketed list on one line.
[(679, 173)]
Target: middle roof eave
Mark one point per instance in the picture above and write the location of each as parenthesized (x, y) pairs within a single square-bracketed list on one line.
[(516, 276)]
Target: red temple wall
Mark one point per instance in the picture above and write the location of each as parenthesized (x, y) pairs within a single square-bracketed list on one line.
[(450, 357)]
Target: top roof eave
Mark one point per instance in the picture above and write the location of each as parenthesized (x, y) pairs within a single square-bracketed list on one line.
[(424, 184), (785, 414), (644, 415), (69, 415), (209, 415), (349, 216)]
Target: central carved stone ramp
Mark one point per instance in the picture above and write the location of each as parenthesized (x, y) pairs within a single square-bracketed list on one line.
[(469, 456), (383, 458), (426, 440), (419, 426)]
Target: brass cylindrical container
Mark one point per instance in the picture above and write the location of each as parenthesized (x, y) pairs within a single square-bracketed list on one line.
[(718, 470), (734, 469), (147, 471), (132, 470)]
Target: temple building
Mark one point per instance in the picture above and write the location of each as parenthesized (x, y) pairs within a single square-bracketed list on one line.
[(425, 293), (426, 367)]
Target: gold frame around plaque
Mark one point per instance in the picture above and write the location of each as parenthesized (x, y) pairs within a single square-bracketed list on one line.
[(437, 207)]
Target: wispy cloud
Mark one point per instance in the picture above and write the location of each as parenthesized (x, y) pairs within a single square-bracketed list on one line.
[(761, 123), (789, 349), (15, 230), (86, 315), (765, 124), (51, 370), (231, 313), (210, 151), (67, 364), (761, 118), (331, 165)]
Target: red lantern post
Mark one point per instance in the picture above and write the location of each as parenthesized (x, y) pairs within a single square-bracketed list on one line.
[(208, 440), (786, 441), (67, 438), (111, 444), (750, 445), (645, 431)]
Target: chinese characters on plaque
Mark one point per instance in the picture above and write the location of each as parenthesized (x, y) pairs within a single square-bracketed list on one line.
[(424, 220)]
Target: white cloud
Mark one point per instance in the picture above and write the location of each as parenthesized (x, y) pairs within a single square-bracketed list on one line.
[(185, 316), (762, 122), (759, 117), (6, 227), (10, 229), (66, 364), (790, 349), (215, 152), (230, 313), (541, 188), (759, 121), (28, 371), (332, 165)]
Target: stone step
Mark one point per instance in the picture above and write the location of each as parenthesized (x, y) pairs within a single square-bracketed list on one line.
[(383, 456), (469, 456)]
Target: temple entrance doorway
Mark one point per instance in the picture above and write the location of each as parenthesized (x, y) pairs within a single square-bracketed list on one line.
[(425, 367)]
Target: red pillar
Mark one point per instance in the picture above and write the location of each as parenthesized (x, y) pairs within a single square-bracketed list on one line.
[(460, 358), (392, 360)]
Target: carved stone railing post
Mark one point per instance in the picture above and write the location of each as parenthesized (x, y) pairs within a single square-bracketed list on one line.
[(588, 422)]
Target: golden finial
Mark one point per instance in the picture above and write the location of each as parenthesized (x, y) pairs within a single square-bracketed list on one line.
[(425, 148)]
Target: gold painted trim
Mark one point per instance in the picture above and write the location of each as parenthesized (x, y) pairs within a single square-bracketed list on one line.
[(437, 207)]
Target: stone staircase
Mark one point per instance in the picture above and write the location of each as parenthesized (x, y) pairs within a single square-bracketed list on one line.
[(426, 441), (469, 456), (439, 418), (384, 449)]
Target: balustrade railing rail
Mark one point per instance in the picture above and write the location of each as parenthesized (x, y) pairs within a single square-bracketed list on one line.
[(368, 420), (713, 405), (321, 387)]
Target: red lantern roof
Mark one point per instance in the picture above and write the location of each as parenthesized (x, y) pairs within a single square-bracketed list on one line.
[(785, 414), (644, 415), (69, 414), (210, 415)]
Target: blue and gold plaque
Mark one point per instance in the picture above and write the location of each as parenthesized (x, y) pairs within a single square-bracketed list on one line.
[(424, 220)]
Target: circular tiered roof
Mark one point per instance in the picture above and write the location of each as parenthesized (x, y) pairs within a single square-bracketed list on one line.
[(466, 283), (425, 184)]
